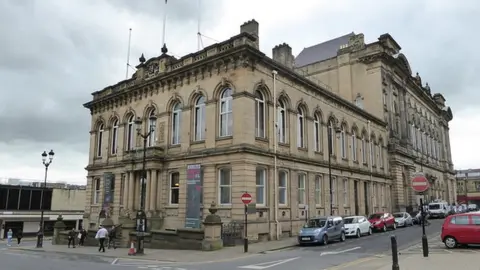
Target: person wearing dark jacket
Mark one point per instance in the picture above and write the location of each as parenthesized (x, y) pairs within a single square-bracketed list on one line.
[(71, 238), (19, 236), (83, 235), (112, 235)]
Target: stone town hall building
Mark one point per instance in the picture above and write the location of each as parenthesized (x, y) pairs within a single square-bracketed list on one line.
[(256, 124)]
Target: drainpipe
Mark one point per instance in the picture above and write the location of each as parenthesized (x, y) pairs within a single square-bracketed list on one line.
[(275, 173), (370, 166)]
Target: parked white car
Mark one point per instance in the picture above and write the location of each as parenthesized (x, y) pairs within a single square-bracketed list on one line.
[(403, 219), (357, 226)]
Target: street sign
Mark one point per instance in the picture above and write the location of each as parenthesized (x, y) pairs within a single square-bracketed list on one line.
[(246, 198), (420, 182)]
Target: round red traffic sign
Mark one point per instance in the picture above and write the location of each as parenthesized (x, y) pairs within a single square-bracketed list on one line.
[(246, 198), (420, 183)]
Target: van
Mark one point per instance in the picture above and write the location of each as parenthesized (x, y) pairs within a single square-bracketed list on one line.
[(438, 209)]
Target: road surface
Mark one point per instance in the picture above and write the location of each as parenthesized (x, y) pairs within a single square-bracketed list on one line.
[(305, 258)]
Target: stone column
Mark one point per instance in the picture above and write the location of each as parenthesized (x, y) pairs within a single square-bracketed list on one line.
[(153, 190), (126, 188), (148, 188), (131, 190), (213, 230)]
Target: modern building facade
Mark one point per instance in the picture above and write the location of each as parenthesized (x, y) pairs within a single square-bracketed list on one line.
[(235, 121), (378, 78), (468, 186), (20, 207)]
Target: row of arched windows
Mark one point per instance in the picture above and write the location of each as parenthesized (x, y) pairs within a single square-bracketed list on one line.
[(225, 128)]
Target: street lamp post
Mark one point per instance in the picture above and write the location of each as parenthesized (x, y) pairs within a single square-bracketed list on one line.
[(141, 217), (42, 197), (330, 153)]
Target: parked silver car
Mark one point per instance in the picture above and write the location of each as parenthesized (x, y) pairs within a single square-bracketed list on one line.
[(403, 219)]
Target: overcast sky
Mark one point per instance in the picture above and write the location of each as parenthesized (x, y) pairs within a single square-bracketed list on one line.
[(54, 53)]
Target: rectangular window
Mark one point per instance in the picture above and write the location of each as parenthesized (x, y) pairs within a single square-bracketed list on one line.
[(301, 188), (382, 195), (122, 188), (114, 139), (174, 187), (96, 191), (316, 134), (379, 155), (282, 188), (372, 153), (318, 190), (364, 151), (374, 194), (334, 191), (225, 185), (260, 185), (345, 192)]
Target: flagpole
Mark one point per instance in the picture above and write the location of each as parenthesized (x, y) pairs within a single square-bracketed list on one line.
[(128, 52), (199, 35), (164, 23)]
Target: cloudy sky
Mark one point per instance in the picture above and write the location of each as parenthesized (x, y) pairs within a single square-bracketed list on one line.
[(54, 53)]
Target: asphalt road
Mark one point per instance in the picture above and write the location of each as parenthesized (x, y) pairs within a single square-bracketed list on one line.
[(305, 258)]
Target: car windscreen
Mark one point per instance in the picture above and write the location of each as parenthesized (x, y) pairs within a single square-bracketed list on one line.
[(315, 223), (398, 215), (434, 206), (350, 220), (375, 216)]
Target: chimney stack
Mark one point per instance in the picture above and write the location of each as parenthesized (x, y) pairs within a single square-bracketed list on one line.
[(251, 27), (283, 54)]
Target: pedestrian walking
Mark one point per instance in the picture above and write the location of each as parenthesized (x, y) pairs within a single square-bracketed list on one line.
[(101, 235), (83, 235), (19, 235), (9, 237), (71, 238), (112, 236)]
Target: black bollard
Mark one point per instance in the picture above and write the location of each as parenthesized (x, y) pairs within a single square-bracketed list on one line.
[(424, 235), (393, 241)]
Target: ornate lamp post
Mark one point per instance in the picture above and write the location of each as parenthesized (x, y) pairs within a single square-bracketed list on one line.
[(141, 216), (42, 198)]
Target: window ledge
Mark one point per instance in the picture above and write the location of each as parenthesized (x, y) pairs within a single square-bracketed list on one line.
[(197, 142), (97, 158), (171, 206), (224, 206), (174, 146), (263, 139), (283, 144), (223, 138), (304, 149), (355, 161), (344, 159), (318, 153)]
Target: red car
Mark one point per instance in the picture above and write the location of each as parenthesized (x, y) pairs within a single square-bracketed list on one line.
[(382, 222), (461, 229)]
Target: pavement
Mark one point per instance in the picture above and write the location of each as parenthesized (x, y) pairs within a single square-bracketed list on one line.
[(275, 255)]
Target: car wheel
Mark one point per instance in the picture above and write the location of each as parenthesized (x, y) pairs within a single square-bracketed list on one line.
[(325, 240), (384, 229), (450, 242), (370, 231), (359, 234), (394, 227), (342, 237)]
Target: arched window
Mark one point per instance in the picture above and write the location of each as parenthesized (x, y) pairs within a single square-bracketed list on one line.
[(282, 122), (316, 133), (100, 140), (372, 151), (176, 113), (114, 137), (130, 132), (331, 138), (151, 127), (380, 153), (199, 123), (354, 145), (300, 128), (364, 149), (414, 136), (226, 117), (343, 142), (259, 115)]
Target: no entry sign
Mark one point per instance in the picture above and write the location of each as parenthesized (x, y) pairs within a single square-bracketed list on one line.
[(246, 198), (420, 182)]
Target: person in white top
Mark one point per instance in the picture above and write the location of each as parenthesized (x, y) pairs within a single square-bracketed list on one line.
[(102, 234)]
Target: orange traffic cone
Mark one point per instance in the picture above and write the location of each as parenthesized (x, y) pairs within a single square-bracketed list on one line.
[(131, 250)]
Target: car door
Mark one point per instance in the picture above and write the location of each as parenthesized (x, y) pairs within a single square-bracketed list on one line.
[(337, 228), (476, 229), (330, 229), (459, 228), (364, 225)]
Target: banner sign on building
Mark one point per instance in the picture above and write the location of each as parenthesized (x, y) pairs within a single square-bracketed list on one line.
[(193, 215), (108, 186)]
